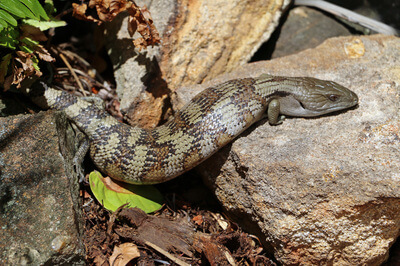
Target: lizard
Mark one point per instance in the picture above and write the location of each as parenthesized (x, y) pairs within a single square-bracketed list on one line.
[(209, 121)]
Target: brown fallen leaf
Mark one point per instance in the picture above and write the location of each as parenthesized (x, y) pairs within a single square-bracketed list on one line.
[(123, 254), (109, 9), (43, 54), (79, 13), (198, 219), (22, 67), (32, 32), (139, 18)]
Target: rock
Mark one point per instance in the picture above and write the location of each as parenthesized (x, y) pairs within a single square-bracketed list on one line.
[(214, 37), (324, 190), (200, 40), (306, 28), (40, 216)]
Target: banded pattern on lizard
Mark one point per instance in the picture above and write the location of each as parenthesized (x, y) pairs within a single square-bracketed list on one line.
[(209, 121)]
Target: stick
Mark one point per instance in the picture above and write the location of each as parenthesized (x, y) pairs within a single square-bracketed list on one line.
[(350, 16)]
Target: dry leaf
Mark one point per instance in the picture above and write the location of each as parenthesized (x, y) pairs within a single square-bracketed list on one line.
[(33, 33), (79, 13), (100, 260), (22, 65), (123, 254), (27, 68), (43, 53), (198, 219), (142, 22), (140, 18), (109, 9)]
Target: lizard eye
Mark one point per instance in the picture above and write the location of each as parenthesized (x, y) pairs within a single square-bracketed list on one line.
[(333, 97)]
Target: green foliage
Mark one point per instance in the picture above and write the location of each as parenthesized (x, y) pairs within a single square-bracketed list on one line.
[(10, 10), (113, 195), (44, 25), (21, 26), (9, 38)]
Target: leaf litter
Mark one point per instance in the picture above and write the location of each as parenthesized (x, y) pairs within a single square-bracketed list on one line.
[(189, 234), (185, 231)]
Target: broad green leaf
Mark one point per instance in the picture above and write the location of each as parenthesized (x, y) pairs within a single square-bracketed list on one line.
[(11, 8), (36, 8), (45, 25), (8, 18), (113, 194), (17, 8)]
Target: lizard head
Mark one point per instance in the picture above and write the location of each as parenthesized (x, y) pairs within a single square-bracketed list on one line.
[(313, 97)]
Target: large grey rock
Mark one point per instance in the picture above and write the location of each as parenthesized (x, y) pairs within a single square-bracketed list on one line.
[(306, 28), (325, 190), (40, 216)]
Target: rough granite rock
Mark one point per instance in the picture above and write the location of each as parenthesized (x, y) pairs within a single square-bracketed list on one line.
[(325, 190), (40, 216), (200, 40)]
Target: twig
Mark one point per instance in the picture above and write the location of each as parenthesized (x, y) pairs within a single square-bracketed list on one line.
[(64, 70), (166, 254), (350, 16), (73, 73)]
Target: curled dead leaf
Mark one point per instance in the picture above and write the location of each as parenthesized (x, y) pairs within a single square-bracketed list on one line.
[(79, 13), (43, 53), (26, 67), (112, 9), (123, 254), (140, 19), (23, 65)]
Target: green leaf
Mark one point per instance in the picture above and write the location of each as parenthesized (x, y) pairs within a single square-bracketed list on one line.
[(3, 24), (17, 8), (36, 8), (28, 41), (9, 38), (35, 62), (114, 194), (44, 25), (26, 49), (29, 45), (8, 18)]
